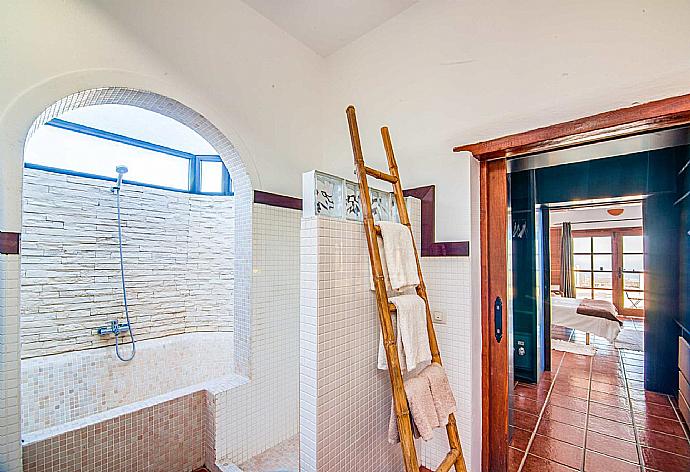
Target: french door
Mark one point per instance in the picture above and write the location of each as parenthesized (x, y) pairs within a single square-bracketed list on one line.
[(609, 265)]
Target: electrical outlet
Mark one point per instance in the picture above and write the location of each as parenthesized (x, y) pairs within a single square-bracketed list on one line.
[(439, 317)]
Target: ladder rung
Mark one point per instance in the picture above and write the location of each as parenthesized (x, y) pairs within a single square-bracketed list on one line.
[(377, 229), (380, 175), (392, 307), (449, 461)]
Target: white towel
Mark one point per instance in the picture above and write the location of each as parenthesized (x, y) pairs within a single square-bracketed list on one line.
[(386, 278), (412, 337), (400, 259)]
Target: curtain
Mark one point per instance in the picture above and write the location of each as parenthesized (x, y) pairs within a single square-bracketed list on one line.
[(567, 262)]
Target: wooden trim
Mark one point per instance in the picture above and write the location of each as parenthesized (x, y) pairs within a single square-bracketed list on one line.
[(494, 253), (431, 248), (273, 199), (652, 116), (9, 243)]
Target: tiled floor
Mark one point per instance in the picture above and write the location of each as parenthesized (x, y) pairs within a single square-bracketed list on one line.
[(593, 414), (282, 458)]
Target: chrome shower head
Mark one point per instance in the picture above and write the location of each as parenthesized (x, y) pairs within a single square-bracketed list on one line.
[(121, 170)]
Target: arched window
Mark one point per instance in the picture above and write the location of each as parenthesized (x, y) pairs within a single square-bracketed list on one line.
[(159, 151)]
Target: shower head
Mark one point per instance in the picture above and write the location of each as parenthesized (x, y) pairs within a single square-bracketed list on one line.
[(121, 170)]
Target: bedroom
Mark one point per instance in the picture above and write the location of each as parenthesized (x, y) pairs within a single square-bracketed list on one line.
[(601, 233)]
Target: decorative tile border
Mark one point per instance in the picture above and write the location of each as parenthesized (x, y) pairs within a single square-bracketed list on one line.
[(280, 201), (9, 243), (430, 248)]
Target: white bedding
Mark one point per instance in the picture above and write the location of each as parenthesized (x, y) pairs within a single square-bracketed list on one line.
[(564, 313)]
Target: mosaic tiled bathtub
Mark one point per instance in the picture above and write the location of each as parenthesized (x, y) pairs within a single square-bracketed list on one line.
[(86, 410)]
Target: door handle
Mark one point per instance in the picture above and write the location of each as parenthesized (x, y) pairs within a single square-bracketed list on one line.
[(498, 319)]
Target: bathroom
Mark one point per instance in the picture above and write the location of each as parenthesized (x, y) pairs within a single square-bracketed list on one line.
[(249, 337)]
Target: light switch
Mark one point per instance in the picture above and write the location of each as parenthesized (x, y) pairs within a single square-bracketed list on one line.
[(439, 317)]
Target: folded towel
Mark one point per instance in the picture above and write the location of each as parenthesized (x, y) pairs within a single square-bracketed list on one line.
[(444, 401), (400, 259), (410, 330), (393, 432), (386, 278), (382, 360), (422, 410)]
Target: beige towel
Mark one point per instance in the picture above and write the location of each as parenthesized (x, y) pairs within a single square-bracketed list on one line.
[(444, 400), (410, 329), (422, 410), (400, 259)]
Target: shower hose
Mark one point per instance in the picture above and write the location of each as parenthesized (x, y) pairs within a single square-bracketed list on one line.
[(124, 290)]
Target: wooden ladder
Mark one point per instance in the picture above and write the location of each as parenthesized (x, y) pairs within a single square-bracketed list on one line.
[(385, 309)]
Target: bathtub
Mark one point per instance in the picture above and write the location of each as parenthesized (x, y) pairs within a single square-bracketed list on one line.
[(87, 410)]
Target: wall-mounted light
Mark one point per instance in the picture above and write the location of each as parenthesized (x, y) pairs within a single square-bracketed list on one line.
[(615, 211)]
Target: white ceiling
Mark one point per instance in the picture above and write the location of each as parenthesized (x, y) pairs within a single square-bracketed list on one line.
[(327, 25), (597, 217)]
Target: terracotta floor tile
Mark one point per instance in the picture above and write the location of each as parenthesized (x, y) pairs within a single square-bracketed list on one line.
[(525, 404), (571, 403), (656, 423), (558, 451), (514, 459), (613, 447), (572, 382), (563, 415), (562, 432), (576, 392), (613, 379), (665, 442), (610, 412), (595, 462), (664, 461), (524, 420), (650, 397), (520, 438), (610, 389), (611, 400), (537, 464), (611, 428), (663, 411)]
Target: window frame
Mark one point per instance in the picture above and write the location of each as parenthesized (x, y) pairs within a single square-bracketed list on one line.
[(194, 161), (617, 250)]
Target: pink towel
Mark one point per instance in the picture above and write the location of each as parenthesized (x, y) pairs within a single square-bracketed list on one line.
[(442, 394), (422, 410)]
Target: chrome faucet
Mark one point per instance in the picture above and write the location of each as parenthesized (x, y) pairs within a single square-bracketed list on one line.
[(115, 328)]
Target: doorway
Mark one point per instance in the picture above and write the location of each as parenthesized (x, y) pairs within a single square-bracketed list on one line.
[(578, 136)]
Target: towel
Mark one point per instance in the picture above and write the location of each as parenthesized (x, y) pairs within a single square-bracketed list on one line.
[(411, 333), (399, 251), (382, 360), (386, 278), (422, 411), (442, 394)]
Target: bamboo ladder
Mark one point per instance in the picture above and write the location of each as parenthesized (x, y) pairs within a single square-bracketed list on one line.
[(385, 309)]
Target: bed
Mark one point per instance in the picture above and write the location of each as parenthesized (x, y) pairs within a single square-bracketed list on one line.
[(564, 312)]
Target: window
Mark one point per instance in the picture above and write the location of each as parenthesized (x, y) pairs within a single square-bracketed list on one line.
[(609, 265), (593, 267), (632, 272), (67, 147)]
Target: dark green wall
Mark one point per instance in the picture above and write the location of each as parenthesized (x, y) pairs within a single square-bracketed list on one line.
[(683, 158), (653, 174)]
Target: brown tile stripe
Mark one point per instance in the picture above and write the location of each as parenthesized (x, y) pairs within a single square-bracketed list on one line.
[(9, 243), (427, 194), (281, 201), (430, 248)]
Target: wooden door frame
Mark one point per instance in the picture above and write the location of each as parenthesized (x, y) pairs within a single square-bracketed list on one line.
[(648, 117)]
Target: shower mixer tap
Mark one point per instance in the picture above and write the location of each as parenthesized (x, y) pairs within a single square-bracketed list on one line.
[(115, 328)]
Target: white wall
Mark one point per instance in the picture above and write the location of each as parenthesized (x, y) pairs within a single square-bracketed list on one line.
[(448, 72), (259, 86)]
